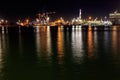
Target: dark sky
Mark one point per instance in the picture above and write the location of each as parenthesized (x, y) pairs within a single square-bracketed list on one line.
[(14, 9)]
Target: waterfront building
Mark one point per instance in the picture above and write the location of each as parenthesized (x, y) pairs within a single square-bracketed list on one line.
[(115, 17), (78, 20)]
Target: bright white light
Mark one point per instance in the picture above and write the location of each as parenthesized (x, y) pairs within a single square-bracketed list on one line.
[(2, 20), (37, 20), (48, 18), (76, 20), (6, 21)]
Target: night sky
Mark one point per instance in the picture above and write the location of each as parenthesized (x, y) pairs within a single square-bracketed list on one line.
[(14, 9)]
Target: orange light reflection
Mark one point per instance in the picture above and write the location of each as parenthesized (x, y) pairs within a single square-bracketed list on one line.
[(114, 28), (90, 44), (60, 46), (114, 42), (89, 28)]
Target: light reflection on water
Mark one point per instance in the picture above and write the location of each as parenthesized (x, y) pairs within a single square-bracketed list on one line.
[(77, 45), (90, 44), (55, 53), (2, 42), (60, 44)]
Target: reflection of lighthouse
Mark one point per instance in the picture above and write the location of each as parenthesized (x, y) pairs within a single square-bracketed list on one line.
[(80, 13)]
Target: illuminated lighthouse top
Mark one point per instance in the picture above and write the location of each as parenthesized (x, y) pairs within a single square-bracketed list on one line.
[(80, 13)]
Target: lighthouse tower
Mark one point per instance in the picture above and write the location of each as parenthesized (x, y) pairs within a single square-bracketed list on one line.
[(80, 13)]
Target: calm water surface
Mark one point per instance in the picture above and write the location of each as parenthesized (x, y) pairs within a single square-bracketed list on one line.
[(56, 53)]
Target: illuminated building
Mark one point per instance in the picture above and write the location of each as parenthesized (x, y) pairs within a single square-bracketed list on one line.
[(43, 18), (78, 20), (90, 21), (115, 17)]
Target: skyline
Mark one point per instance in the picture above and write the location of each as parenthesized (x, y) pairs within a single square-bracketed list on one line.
[(68, 9)]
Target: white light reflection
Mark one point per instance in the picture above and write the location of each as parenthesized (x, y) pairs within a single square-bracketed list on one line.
[(20, 44), (77, 26), (3, 29), (77, 46), (62, 27), (95, 37), (106, 38), (43, 42), (37, 39), (73, 28), (19, 30), (49, 41), (2, 47), (48, 28), (80, 28), (95, 28)]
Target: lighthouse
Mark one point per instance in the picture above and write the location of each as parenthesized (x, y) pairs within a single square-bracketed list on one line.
[(80, 13)]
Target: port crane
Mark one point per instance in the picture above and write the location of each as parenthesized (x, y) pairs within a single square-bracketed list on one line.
[(43, 18)]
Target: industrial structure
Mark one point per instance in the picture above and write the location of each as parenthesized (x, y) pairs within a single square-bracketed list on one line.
[(43, 19), (78, 20), (115, 17)]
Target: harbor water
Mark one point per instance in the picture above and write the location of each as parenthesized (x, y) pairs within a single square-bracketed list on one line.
[(59, 53)]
